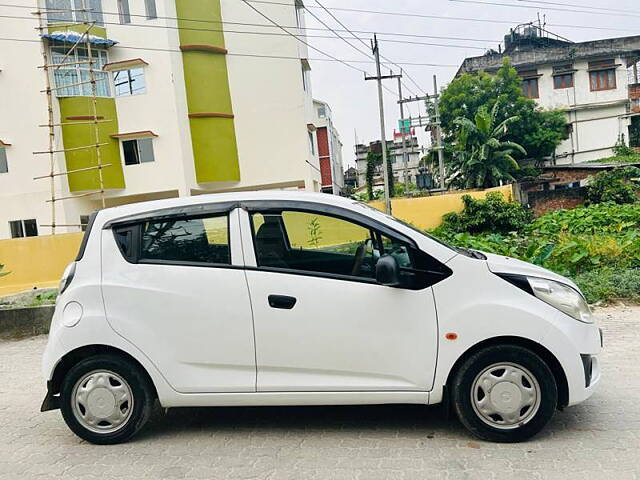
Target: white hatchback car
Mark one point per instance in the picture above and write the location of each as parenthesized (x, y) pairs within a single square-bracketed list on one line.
[(287, 298)]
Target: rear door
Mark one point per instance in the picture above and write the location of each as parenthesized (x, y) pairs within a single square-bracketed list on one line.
[(175, 287)]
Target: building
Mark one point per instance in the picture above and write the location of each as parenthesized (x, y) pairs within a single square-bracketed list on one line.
[(597, 84), (183, 106), (329, 149), (395, 149)]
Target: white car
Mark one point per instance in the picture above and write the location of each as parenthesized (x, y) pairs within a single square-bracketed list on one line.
[(290, 298)]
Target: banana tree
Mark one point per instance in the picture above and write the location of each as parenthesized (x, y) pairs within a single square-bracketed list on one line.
[(481, 158)]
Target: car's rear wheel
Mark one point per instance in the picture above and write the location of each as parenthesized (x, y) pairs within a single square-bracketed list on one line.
[(504, 393), (106, 399)]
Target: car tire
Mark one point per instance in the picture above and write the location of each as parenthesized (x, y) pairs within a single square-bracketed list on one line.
[(504, 393), (106, 399)]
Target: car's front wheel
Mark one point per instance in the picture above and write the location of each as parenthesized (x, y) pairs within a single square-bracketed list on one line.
[(504, 393), (106, 399)]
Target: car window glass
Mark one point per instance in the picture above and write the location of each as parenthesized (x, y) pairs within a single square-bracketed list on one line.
[(201, 240), (313, 242)]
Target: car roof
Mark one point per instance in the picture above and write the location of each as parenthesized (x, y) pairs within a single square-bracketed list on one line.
[(211, 199)]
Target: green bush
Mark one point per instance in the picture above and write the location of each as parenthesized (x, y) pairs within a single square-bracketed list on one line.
[(583, 243), (608, 284), (491, 214), (599, 218), (614, 186)]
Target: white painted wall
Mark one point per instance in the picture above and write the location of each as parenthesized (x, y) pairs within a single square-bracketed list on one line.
[(272, 111), (598, 117)]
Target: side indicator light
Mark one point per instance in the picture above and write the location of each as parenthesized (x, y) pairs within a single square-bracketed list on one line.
[(451, 336)]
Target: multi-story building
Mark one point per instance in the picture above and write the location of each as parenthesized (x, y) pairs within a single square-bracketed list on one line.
[(597, 84), (395, 149), (329, 149), (185, 89)]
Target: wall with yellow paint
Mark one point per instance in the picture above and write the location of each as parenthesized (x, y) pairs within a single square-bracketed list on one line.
[(427, 212), (36, 261)]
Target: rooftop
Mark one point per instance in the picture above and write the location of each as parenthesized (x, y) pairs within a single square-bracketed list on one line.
[(531, 49)]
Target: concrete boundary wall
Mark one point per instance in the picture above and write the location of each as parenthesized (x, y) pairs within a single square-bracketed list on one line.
[(19, 323)]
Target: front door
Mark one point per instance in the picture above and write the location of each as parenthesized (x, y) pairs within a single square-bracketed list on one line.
[(176, 289), (322, 323)]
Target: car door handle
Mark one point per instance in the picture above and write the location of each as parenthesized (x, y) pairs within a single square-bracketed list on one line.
[(282, 301)]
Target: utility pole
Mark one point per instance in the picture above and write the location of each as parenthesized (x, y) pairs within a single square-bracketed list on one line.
[(404, 143), (383, 139), (439, 147)]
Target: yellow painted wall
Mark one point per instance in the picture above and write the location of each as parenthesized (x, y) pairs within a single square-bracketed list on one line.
[(426, 212), (36, 261)]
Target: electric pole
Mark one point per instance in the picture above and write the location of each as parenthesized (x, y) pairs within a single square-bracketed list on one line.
[(404, 143), (439, 147), (383, 138)]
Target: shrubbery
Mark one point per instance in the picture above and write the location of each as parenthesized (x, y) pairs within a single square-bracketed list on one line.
[(597, 245), (491, 214), (615, 185)]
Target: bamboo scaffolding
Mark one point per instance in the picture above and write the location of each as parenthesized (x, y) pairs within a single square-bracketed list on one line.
[(84, 41)]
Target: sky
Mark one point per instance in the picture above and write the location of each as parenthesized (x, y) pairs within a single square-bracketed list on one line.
[(472, 26)]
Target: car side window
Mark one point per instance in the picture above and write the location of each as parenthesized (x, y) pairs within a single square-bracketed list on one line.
[(313, 242), (202, 240)]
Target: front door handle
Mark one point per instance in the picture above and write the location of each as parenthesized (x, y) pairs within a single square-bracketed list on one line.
[(282, 301)]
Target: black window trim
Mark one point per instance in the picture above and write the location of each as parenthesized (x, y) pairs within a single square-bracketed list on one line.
[(361, 220), (269, 206), (136, 257)]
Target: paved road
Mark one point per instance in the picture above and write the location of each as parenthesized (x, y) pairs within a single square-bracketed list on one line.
[(596, 440)]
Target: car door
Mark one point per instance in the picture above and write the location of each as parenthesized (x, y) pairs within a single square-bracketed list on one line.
[(175, 287), (322, 323)]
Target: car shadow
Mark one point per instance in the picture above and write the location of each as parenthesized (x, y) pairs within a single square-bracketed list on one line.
[(429, 420)]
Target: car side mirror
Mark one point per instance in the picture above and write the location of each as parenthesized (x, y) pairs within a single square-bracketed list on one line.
[(388, 271)]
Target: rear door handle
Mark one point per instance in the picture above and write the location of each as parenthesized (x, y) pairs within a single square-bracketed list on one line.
[(282, 301)]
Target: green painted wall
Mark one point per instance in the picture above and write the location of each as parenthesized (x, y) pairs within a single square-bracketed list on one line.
[(207, 84), (82, 135)]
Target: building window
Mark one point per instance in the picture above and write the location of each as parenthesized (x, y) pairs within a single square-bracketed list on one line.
[(150, 7), (312, 145), (564, 80), (530, 88), (71, 11), (322, 112), (4, 165), (634, 132), (23, 228), (603, 79), (124, 16), (304, 79), (138, 151), (73, 80), (129, 82)]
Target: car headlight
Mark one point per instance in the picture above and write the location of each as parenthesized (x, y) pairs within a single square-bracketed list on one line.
[(562, 297)]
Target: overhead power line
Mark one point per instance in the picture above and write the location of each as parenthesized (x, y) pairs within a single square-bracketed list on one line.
[(556, 9), (248, 32), (362, 41), (252, 55), (563, 4), (443, 17)]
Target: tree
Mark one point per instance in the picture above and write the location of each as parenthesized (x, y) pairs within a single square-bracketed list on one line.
[(538, 131), (482, 159), (374, 159)]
